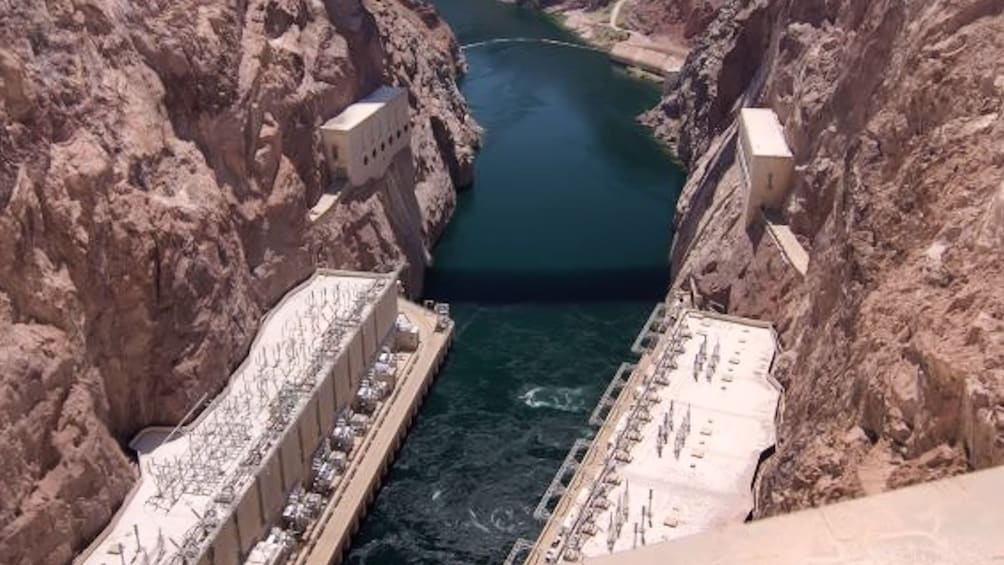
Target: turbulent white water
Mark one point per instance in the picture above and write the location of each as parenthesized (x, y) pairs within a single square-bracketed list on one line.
[(477, 523), (556, 398)]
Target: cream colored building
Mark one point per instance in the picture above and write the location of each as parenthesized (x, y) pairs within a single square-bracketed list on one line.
[(360, 142), (765, 159), (208, 492), (677, 452)]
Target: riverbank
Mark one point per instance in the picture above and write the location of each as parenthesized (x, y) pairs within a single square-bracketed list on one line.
[(657, 57)]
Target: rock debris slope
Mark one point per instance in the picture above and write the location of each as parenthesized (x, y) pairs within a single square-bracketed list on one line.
[(157, 160), (894, 340), (683, 20)]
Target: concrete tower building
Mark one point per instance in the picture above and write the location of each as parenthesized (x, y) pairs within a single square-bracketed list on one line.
[(209, 491), (360, 142), (766, 162)]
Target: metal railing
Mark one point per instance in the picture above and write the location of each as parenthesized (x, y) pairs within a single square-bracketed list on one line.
[(611, 393), (557, 487), (520, 548)]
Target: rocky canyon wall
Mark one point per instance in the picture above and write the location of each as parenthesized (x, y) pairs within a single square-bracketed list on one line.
[(157, 161), (683, 20), (893, 357)]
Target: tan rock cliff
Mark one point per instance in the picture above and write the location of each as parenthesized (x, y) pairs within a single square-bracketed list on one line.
[(680, 19), (157, 160), (894, 340)]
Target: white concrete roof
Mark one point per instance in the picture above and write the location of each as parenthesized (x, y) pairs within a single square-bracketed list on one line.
[(286, 351), (358, 112), (732, 422), (952, 521), (765, 132), (731, 406)]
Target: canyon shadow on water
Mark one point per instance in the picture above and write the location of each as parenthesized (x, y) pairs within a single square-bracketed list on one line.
[(552, 263)]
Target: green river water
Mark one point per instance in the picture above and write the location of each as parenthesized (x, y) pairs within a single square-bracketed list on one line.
[(551, 264)]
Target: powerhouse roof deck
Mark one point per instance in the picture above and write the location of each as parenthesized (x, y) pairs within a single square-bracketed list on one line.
[(187, 478), (952, 521), (707, 382)]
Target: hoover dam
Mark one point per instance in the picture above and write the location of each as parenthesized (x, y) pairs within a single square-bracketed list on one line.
[(405, 282)]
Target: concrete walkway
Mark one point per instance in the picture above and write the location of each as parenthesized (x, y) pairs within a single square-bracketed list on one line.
[(952, 521), (791, 249), (647, 57), (329, 198), (330, 537)]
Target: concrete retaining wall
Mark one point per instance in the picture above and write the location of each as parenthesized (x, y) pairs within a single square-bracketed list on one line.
[(269, 481), (651, 60), (310, 430), (357, 359), (342, 382), (326, 407), (250, 525), (386, 311), (292, 460)]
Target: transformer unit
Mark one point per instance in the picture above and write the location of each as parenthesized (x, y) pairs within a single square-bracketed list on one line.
[(368, 397), (273, 550), (405, 334), (343, 437), (442, 311), (301, 509)]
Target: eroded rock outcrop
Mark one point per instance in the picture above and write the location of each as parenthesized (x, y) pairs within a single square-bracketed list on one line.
[(683, 20), (157, 160), (894, 340)]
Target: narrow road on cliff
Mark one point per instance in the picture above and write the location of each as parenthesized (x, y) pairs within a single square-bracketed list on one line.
[(615, 14)]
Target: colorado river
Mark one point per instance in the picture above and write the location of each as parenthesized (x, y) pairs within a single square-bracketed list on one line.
[(552, 262)]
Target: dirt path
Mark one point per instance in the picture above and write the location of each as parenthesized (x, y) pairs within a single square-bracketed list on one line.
[(615, 13)]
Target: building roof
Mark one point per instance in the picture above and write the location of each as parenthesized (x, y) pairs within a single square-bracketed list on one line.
[(358, 112), (765, 132), (170, 500), (732, 422), (729, 400), (954, 520)]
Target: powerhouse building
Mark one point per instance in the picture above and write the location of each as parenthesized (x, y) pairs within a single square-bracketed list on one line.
[(210, 491), (676, 451), (360, 142), (765, 159)]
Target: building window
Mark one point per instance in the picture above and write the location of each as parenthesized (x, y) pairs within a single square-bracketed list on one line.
[(383, 146), (374, 152), (366, 160)]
